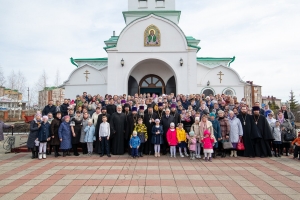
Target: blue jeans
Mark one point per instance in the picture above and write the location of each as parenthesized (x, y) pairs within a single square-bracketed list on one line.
[(134, 152), (104, 145)]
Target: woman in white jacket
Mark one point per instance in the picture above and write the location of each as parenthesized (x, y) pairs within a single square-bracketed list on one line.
[(236, 132)]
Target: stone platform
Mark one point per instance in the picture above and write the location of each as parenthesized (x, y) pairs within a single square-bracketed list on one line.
[(121, 177)]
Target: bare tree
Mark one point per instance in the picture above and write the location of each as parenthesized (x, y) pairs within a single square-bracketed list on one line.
[(2, 77), (41, 89), (57, 78), (17, 81)]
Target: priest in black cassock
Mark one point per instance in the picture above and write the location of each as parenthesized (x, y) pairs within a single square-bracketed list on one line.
[(175, 114), (99, 121), (262, 147), (149, 119), (111, 107), (250, 135), (131, 121), (160, 112), (117, 131)]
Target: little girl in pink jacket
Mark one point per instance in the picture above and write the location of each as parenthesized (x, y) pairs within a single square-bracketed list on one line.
[(172, 139), (208, 142), (192, 144)]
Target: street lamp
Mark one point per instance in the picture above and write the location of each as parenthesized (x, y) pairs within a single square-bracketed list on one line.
[(20, 105)]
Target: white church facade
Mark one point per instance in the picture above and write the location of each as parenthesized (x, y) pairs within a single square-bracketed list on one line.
[(153, 55)]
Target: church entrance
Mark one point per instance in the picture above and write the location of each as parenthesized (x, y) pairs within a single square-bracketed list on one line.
[(152, 84)]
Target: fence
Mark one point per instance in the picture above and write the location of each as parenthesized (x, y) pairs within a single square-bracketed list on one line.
[(15, 115)]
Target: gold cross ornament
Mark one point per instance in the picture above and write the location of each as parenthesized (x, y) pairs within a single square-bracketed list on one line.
[(220, 74), (86, 75)]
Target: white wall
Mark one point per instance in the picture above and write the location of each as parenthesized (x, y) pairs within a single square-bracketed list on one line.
[(96, 84), (230, 80), (132, 37), (136, 5), (131, 48)]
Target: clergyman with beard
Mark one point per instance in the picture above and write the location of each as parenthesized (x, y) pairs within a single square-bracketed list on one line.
[(149, 119)]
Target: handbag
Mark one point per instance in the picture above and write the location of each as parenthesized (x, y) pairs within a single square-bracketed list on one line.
[(289, 136), (227, 144), (240, 145)]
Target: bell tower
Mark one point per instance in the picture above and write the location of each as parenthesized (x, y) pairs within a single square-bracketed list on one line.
[(141, 8)]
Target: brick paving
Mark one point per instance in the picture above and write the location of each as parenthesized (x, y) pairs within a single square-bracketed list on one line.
[(121, 177)]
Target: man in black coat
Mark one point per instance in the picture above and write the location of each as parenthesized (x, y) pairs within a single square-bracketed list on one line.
[(166, 120), (250, 134), (149, 119), (111, 108), (64, 108), (99, 121), (50, 108), (262, 148), (117, 129)]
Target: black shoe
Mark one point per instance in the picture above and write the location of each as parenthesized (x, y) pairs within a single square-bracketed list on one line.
[(262, 156), (64, 154), (214, 155), (141, 154), (33, 155), (279, 155), (58, 154), (77, 154), (108, 155), (275, 155), (101, 155), (47, 153)]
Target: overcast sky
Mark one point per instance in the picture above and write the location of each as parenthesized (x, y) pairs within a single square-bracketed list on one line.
[(263, 35)]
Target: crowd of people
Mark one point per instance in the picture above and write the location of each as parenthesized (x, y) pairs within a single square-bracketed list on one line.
[(196, 125)]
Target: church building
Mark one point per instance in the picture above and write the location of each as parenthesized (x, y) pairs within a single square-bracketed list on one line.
[(152, 54)]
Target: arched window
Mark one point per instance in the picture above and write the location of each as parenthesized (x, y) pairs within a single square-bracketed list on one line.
[(208, 92), (152, 81), (228, 92)]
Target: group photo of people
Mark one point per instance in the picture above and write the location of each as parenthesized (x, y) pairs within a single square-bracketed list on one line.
[(193, 126)]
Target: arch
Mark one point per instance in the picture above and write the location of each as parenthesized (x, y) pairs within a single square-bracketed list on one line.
[(171, 86), (229, 89), (133, 86), (166, 64), (152, 83), (208, 88)]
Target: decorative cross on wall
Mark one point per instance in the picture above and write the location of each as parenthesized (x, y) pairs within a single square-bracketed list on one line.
[(220, 74), (86, 75)]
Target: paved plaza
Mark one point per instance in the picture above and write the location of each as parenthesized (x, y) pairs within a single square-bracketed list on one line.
[(121, 177)]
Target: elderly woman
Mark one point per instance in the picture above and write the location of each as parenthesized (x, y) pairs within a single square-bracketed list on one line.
[(236, 132), (64, 134), (225, 130), (84, 123), (54, 133), (33, 135), (286, 127)]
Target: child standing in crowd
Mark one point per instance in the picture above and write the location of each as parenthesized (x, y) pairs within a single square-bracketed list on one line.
[(43, 137), (141, 130), (134, 144), (89, 136), (277, 139), (297, 147), (172, 139), (157, 137), (207, 141), (192, 142), (104, 134), (196, 129), (181, 137)]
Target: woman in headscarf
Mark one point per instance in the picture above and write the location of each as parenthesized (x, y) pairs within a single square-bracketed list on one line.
[(64, 134), (286, 127), (33, 135)]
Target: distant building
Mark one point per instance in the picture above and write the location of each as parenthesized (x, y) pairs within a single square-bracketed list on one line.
[(252, 93), (7, 103), (51, 93), (12, 94), (269, 99)]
